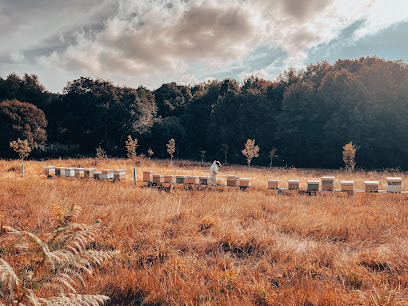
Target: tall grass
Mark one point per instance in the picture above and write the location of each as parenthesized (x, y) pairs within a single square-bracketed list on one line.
[(226, 247)]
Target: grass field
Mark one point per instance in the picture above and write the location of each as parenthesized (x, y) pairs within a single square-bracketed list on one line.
[(226, 247)]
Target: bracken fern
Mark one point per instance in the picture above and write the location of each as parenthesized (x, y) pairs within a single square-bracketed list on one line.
[(53, 267)]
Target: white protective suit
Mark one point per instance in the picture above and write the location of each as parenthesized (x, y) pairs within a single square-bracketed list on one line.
[(213, 173)]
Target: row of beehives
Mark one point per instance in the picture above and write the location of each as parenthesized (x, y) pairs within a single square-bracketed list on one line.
[(231, 180), (51, 171), (394, 185)]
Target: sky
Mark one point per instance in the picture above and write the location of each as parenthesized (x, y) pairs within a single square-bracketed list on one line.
[(151, 42)]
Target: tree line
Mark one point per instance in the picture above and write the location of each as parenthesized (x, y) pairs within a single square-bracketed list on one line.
[(303, 117)]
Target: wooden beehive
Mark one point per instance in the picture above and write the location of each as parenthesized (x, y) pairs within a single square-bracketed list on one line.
[(180, 179), (245, 182), (148, 176), (394, 184), (97, 175), (293, 184), (232, 180), (313, 185), (204, 180), (273, 184), (88, 172), (79, 172), (69, 172), (60, 171), (371, 186), (347, 185), (328, 183), (191, 180), (119, 174), (49, 171), (107, 174), (169, 178), (158, 178)]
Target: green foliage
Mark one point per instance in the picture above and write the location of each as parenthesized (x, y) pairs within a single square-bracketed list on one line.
[(55, 264)]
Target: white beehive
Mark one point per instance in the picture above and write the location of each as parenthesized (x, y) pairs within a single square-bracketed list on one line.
[(347, 185), (79, 172), (273, 184), (293, 184), (107, 174), (204, 180), (97, 175), (232, 180), (60, 171), (88, 172), (148, 176), (394, 184), (371, 186), (119, 174), (49, 171), (70, 172), (313, 185), (328, 183)]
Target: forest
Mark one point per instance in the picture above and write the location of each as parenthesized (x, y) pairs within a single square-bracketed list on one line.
[(307, 115)]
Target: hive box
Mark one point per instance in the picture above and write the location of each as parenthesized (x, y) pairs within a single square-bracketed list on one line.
[(273, 184), (79, 172), (232, 180), (371, 186), (347, 185), (169, 178), (394, 184), (70, 172), (328, 183), (97, 175), (88, 172), (191, 180), (148, 176), (180, 179), (157, 178), (244, 182), (107, 174), (60, 171), (119, 174), (49, 171), (293, 184), (313, 185), (204, 180)]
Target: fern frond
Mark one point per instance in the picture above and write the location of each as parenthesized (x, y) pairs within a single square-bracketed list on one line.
[(78, 299)]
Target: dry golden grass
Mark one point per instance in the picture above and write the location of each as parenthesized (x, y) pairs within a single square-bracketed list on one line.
[(226, 247)]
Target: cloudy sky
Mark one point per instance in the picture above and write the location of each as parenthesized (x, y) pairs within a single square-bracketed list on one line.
[(150, 42)]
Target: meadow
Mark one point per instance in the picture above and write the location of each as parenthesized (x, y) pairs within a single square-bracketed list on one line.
[(225, 246)]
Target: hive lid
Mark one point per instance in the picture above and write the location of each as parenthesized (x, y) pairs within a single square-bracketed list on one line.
[(313, 181), (273, 180), (347, 182), (327, 177), (246, 178), (293, 181), (394, 179), (371, 182)]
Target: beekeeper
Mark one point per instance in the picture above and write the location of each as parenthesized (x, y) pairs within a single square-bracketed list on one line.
[(213, 173)]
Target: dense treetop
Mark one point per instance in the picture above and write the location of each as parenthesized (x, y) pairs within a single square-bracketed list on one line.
[(307, 115)]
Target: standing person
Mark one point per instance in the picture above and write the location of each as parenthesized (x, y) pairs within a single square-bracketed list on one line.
[(213, 173)]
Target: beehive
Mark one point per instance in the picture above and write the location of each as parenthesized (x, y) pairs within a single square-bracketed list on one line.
[(60, 171), (157, 178), (347, 185), (119, 174), (107, 174), (204, 180), (49, 171), (232, 180), (371, 186), (79, 172), (148, 176), (169, 178), (70, 172), (191, 180), (88, 172), (273, 184), (293, 184), (180, 179), (328, 183), (313, 185), (97, 175), (245, 182), (394, 184)]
